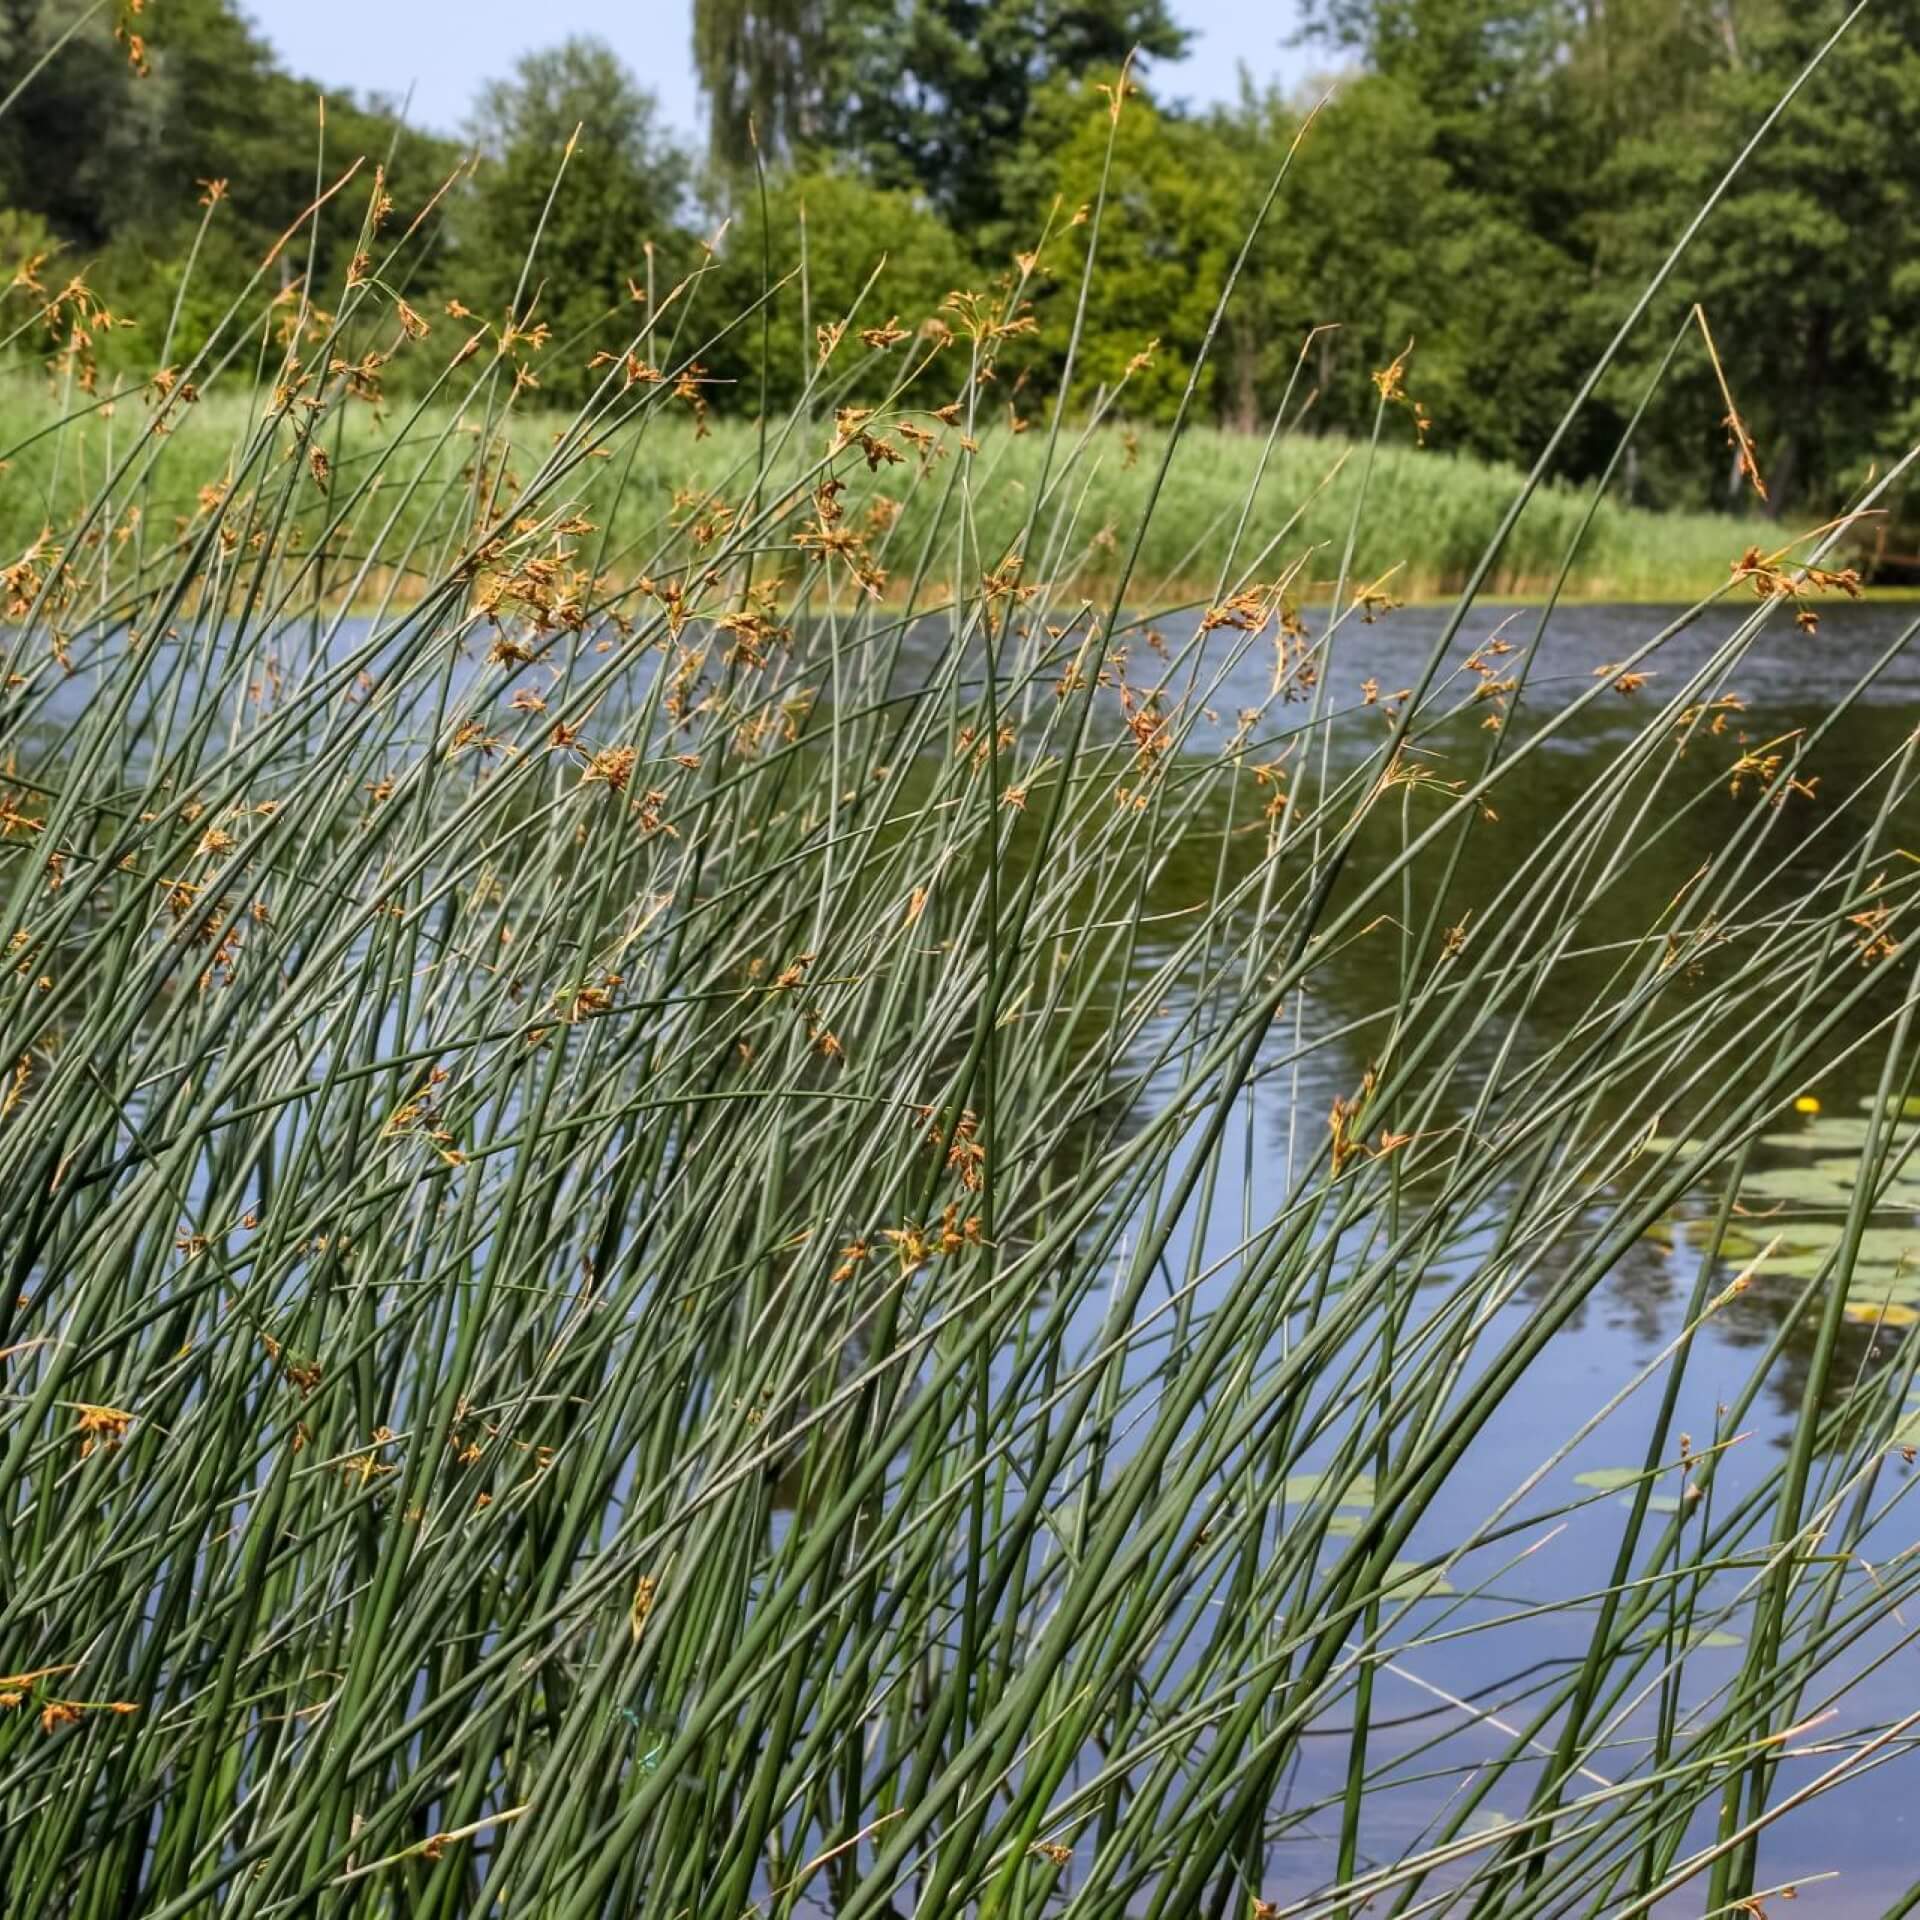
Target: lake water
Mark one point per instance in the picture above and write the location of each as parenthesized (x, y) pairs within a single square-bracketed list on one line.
[(1800, 1181)]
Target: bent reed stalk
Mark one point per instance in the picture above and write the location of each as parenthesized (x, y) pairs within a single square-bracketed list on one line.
[(756, 1206)]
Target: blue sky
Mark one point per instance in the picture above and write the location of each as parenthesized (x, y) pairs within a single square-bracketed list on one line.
[(444, 49)]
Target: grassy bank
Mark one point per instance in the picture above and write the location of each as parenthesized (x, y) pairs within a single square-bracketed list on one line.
[(1428, 516)]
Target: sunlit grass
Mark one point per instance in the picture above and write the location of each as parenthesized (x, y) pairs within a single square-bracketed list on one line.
[(1430, 516)]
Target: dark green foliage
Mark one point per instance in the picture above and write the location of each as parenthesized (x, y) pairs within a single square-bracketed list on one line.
[(833, 1198), (1808, 273), (932, 94), (795, 1226), (1491, 180), (70, 147), (1176, 216), (935, 93), (754, 58), (117, 163), (619, 192), (835, 225)]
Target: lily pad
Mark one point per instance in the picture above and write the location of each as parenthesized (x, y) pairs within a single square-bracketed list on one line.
[(1798, 1186), (1788, 1235), (1737, 1243), (1903, 1191), (1408, 1580), (1890, 1242), (1831, 1133), (1894, 1287), (1870, 1280), (1880, 1246), (1881, 1313), (1880, 1272), (1303, 1488), (1607, 1479)]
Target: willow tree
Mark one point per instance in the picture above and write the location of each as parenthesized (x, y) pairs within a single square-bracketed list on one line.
[(753, 59), (930, 95)]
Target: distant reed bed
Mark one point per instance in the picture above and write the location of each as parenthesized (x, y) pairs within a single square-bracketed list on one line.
[(1430, 516)]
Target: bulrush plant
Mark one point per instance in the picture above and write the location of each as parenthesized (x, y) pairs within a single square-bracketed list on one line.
[(700, 1218)]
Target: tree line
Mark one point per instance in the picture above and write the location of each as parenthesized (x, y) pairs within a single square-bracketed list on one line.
[(1490, 180)]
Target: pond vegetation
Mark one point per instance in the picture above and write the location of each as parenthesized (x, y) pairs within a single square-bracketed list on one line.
[(781, 1205)]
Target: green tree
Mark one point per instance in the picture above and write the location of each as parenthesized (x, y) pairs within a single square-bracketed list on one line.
[(753, 57), (1372, 243), (118, 160), (574, 114), (1805, 270), (1380, 240), (825, 237), (221, 109), (1485, 79), (72, 143), (932, 94), (1178, 201)]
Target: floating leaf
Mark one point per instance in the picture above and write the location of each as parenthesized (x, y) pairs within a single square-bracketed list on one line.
[(1666, 1143), (1870, 1280), (1789, 1235), (1304, 1488), (1844, 1167), (1883, 1246), (1737, 1243), (1881, 1313), (1607, 1479), (1831, 1133), (1903, 1192), (1890, 1243), (1408, 1580), (1798, 1186), (1792, 1266)]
